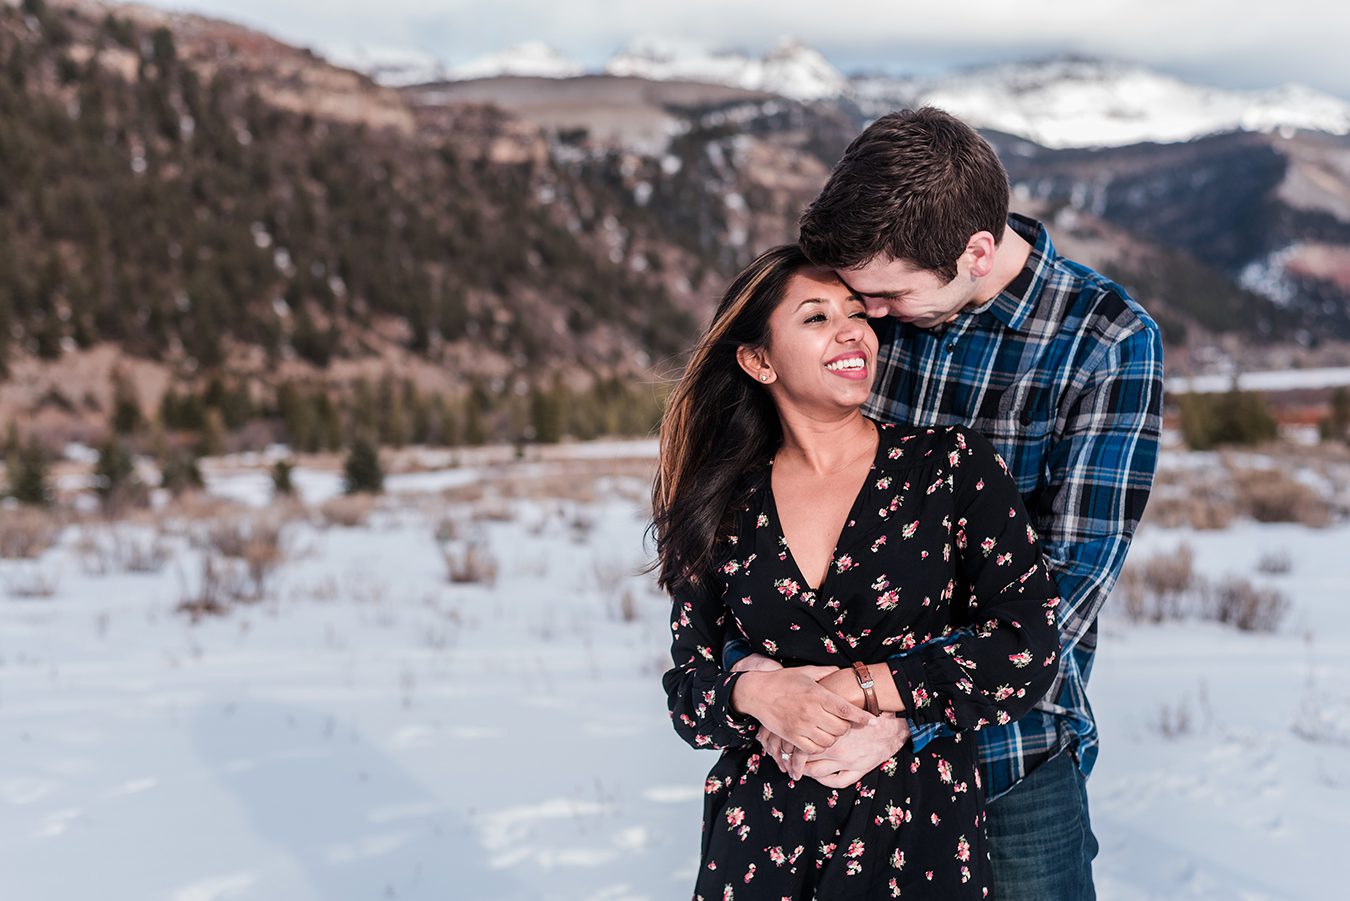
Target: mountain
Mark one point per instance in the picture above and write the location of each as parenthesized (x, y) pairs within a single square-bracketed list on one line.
[(533, 58), (790, 69), (1078, 102), (198, 205), (389, 66)]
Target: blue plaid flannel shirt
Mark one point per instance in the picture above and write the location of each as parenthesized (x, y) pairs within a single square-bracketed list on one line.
[(1062, 371)]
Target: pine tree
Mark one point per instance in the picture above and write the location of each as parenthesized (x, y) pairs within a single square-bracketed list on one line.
[(1336, 425), (126, 416), (29, 474), (115, 478), (282, 485), (362, 469), (179, 472)]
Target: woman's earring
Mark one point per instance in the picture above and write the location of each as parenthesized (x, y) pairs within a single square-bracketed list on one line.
[(763, 376)]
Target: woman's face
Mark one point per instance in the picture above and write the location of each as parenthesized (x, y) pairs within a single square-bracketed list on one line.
[(822, 352)]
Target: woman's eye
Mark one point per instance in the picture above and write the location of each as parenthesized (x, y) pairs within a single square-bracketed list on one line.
[(861, 314), (819, 317)]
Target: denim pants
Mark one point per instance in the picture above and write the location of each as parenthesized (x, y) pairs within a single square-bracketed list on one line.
[(1040, 838)]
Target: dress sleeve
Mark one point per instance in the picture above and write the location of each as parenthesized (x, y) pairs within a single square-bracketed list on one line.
[(1004, 659), (698, 689)]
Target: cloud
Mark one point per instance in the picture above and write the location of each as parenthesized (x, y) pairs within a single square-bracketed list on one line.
[(1227, 43)]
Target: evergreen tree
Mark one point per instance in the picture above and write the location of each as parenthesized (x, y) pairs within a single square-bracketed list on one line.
[(547, 413), (115, 478), (281, 478), (179, 472), (29, 474), (1336, 425), (1234, 418), (211, 440), (126, 417), (362, 469)]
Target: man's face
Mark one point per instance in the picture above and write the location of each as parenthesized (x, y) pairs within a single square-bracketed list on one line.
[(917, 296)]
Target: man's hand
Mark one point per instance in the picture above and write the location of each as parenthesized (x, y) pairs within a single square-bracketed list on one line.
[(756, 663), (853, 755)]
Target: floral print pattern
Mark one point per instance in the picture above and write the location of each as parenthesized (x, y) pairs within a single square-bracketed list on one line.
[(937, 572)]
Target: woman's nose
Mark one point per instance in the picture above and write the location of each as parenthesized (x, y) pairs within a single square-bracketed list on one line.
[(851, 330)]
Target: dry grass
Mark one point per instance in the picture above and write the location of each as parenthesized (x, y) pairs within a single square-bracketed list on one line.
[(348, 511), (1275, 563), (1272, 495), (26, 532), (470, 563), (1248, 607), (1155, 588), (1165, 587), (218, 587), (32, 581)]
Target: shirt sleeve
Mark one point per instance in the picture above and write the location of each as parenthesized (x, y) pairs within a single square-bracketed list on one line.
[(698, 688), (1100, 472), (1004, 658)]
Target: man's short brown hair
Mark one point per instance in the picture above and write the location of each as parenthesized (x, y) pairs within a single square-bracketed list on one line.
[(914, 186)]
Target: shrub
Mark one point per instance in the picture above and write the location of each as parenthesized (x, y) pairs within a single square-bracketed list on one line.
[(471, 563), (349, 511), (1236, 417), (1240, 603), (27, 532), (1273, 496)]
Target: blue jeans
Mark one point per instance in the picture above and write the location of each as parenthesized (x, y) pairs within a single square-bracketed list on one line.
[(1040, 839)]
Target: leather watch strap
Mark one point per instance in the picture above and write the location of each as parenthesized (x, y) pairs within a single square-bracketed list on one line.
[(869, 693)]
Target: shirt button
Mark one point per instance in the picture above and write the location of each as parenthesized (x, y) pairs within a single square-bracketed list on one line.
[(951, 347)]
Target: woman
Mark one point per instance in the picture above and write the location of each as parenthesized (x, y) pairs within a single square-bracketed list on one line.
[(892, 570)]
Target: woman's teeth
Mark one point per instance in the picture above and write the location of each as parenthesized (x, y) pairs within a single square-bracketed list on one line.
[(850, 363)]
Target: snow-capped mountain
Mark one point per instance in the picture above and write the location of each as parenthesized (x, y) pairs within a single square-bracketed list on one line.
[(390, 66), (789, 69), (1075, 102), (532, 58)]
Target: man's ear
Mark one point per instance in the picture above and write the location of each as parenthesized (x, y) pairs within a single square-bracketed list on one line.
[(755, 362), (980, 252)]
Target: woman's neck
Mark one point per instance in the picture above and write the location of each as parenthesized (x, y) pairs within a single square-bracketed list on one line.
[(825, 446)]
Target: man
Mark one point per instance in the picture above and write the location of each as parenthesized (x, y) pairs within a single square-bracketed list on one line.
[(982, 323)]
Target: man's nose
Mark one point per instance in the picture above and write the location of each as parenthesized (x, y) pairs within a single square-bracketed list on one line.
[(876, 307)]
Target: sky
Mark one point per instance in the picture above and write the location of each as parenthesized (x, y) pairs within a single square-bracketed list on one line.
[(1235, 44)]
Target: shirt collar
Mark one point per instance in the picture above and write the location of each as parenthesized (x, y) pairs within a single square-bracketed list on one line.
[(1014, 305)]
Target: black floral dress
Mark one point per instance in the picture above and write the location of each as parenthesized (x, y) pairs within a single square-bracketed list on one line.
[(937, 570)]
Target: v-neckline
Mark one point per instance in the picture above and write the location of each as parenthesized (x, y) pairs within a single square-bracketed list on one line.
[(776, 521)]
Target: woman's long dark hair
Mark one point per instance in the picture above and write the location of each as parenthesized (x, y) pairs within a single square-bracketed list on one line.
[(718, 424)]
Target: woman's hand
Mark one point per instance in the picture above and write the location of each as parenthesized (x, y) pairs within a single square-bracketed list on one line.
[(792, 705)]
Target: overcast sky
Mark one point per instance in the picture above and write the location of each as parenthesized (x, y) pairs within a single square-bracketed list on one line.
[(1239, 43)]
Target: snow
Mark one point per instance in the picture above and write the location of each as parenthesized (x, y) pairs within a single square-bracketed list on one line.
[(1280, 380), (1080, 102), (532, 58), (789, 69), (372, 730), (389, 66)]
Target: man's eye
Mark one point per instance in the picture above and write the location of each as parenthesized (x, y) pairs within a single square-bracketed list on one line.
[(860, 314)]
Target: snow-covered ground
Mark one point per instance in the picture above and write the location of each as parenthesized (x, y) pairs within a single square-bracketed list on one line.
[(371, 730)]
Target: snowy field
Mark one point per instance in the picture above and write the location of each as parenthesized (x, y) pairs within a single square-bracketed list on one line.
[(370, 730)]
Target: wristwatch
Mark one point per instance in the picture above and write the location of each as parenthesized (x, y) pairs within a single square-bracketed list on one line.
[(869, 694)]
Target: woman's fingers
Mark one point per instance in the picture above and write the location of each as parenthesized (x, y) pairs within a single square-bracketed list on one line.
[(773, 746)]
